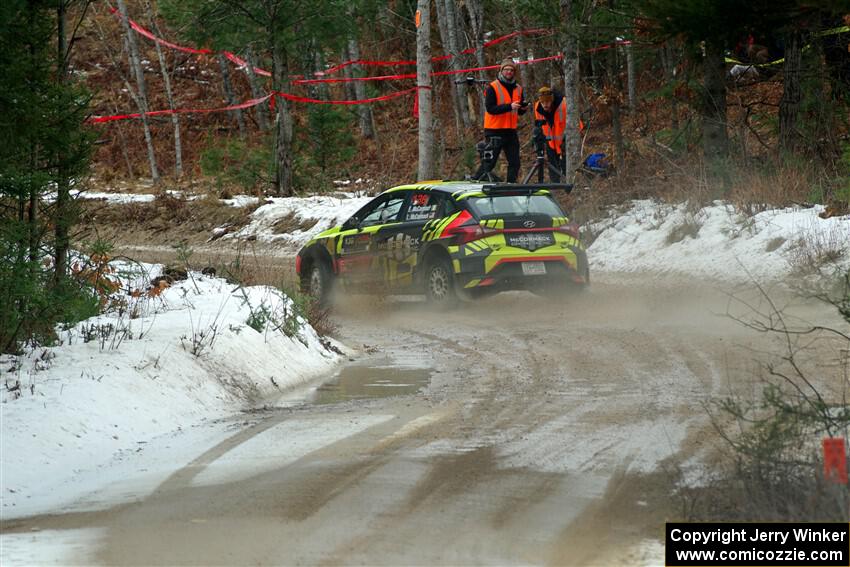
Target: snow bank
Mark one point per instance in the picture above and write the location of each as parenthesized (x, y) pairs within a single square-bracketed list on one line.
[(154, 365), (309, 216), (717, 242)]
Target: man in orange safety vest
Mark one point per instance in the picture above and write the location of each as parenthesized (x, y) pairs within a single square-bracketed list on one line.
[(550, 113), (504, 102)]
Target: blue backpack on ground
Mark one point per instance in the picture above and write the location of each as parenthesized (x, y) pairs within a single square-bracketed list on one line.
[(596, 163)]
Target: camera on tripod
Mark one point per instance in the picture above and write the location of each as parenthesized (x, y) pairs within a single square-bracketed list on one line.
[(539, 139)]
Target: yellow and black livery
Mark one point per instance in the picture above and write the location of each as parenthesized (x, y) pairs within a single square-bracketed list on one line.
[(448, 239)]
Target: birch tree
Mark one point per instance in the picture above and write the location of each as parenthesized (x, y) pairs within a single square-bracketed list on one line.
[(475, 9), (572, 146), (458, 98), (423, 83), (141, 95), (453, 27), (364, 111), (166, 80)]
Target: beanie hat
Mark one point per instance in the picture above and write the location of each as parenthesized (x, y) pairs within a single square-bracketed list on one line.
[(545, 94), (508, 62)]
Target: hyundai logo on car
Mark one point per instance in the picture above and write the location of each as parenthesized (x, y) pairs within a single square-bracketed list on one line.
[(529, 224)]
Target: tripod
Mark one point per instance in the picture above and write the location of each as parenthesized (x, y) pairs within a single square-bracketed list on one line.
[(541, 163), (486, 154)]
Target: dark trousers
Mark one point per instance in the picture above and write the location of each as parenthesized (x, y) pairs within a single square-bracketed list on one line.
[(510, 144), (557, 160)]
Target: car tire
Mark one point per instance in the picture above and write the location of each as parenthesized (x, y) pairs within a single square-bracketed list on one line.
[(320, 282), (439, 283)]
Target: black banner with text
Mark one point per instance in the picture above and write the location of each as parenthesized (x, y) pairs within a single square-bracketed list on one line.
[(757, 544)]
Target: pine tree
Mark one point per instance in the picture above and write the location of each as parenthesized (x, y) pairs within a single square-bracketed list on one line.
[(43, 149)]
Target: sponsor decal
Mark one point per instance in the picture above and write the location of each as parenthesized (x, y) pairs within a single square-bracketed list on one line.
[(530, 240), (356, 243)]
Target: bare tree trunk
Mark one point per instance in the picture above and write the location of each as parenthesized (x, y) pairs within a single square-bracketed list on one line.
[(29, 242), (572, 147), (257, 90), (616, 122), (714, 137), (789, 106), (62, 227), (166, 79), (630, 71), (526, 72), (442, 22), (364, 111), (346, 72), (457, 60), (318, 90), (423, 82), (476, 20), (228, 94), (283, 141), (668, 61), (142, 98)]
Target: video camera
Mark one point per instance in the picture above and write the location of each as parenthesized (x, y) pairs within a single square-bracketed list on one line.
[(539, 139)]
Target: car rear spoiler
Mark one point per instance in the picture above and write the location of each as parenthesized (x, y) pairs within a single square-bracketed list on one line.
[(525, 187)]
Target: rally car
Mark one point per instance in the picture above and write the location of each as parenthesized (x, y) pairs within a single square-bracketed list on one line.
[(449, 239)]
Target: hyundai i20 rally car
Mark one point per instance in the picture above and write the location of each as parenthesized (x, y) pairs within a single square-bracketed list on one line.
[(449, 239)]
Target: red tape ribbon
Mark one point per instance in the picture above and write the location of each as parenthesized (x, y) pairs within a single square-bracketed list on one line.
[(242, 63), (413, 75), (240, 106), (248, 104)]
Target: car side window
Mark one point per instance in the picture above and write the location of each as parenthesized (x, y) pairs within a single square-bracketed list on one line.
[(385, 212), (424, 206)]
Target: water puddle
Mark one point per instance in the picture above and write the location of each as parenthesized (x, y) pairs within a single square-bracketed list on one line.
[(361, 381)]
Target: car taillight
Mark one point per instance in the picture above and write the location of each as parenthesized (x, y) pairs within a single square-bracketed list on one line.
[(572, 229), (468, 233)]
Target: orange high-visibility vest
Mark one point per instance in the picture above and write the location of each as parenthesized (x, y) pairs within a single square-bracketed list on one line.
[(508, 119), (555, 133)]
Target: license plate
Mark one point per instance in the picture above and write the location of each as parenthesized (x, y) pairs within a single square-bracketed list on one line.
[(533, 268)]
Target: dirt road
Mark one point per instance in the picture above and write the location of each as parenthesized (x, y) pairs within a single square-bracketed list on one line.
[(523, 431)]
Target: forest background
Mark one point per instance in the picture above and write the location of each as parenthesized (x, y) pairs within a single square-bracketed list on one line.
[(688, 100)]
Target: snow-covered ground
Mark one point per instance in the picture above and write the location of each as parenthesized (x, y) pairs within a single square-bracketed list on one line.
[(202, 348), (720, 243), (156, 362)]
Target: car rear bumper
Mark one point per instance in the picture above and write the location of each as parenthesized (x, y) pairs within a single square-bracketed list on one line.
[(541, 271)]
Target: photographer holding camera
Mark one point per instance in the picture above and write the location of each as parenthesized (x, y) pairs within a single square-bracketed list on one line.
[(550, 115), (504, 102)]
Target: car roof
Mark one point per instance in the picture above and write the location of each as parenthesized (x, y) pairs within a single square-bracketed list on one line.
[(458, 189)]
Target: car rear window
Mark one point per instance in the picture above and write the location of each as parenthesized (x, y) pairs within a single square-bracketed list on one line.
[(514, 206)]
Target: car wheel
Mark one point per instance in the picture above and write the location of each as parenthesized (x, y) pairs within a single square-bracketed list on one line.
[(320, 283), (439, 283)]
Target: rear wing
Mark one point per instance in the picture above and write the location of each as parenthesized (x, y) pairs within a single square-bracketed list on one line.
[(523, 188)]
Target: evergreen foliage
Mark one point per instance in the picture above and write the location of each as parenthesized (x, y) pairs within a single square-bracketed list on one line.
[(42, 146)]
